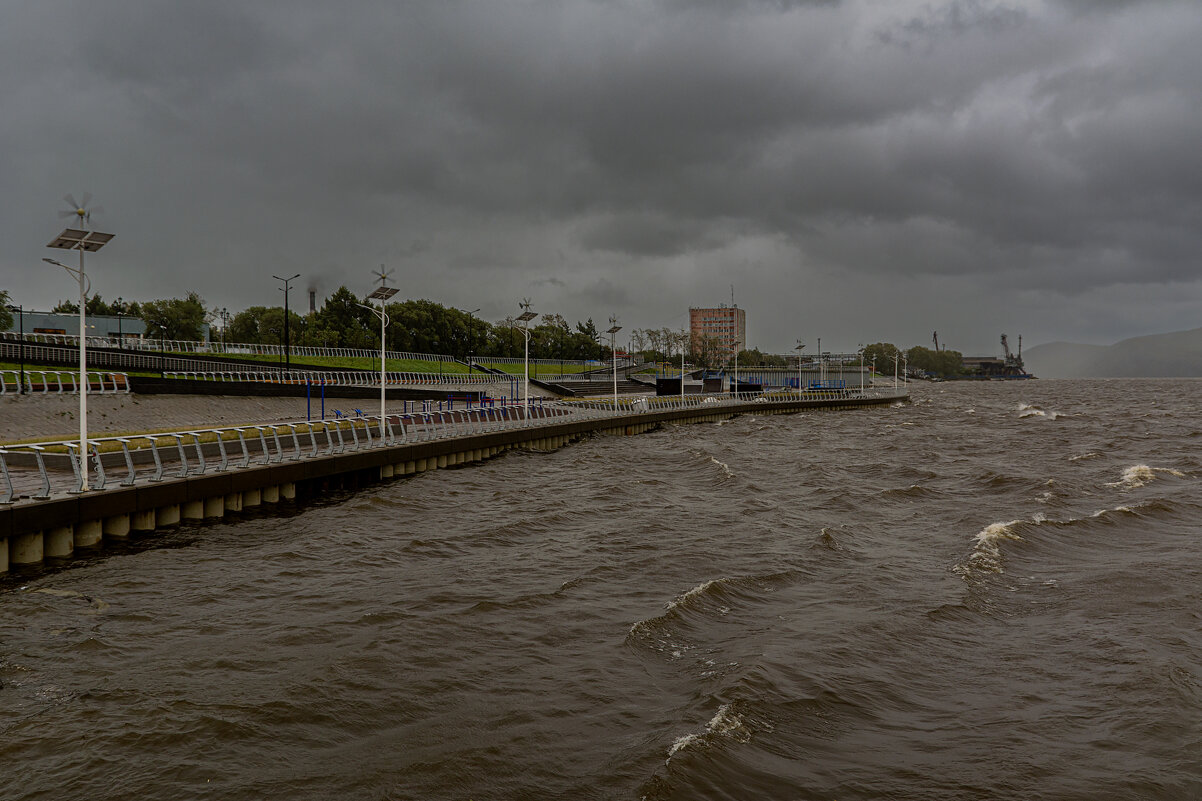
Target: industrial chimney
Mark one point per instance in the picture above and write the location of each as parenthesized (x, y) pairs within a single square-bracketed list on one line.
[(312, 301)]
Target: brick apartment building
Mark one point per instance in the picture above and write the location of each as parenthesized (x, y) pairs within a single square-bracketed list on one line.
[(727, 324)]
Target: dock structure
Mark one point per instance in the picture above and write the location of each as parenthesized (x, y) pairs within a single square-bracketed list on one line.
[(210, 474)]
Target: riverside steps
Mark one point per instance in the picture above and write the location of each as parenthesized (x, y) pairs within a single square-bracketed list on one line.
[(200, 475)]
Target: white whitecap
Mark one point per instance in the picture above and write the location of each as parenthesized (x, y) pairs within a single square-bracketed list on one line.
[(1140, 474)]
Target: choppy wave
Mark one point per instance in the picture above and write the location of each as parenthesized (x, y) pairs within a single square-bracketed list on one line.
[(1140, 474), (714, 597), (1035, 410), (725, 467), (987, 554), (728, 723)]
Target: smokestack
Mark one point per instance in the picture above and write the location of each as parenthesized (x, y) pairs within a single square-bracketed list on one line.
[(312, 301)]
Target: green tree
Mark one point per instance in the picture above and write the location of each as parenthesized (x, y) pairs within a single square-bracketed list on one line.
[(6, 316), (245, 326), (706, 351), (757, 358), (175, 318), (883, 353), (942, 363), (346, 322), (96, 305)]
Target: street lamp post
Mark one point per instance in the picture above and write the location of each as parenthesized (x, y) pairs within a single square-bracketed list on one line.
[(613, 354), (800, 347), (20, 310), (286, 289), (471, 338), (524, 318), (821, 366), (119, 307), (382, 294), (736, 386), (684, 342), (92, 241)]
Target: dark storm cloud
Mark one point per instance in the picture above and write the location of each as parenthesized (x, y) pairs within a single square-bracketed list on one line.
[(993, 146)]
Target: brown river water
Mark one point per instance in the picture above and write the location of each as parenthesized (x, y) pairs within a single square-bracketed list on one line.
[(994, 592)]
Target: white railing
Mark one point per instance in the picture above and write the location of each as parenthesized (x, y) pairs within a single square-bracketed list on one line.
[(342, 378), (61, 382), (144, 457), (146, 345)]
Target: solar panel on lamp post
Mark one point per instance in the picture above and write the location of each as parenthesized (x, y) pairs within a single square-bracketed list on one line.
[(383, 294), (613, 354), (524, 318), (90, 241)]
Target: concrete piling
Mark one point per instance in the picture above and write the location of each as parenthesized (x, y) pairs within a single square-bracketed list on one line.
[(58, 542), (88, 534), (117, 527), (166, 515), (214, 507), (25, 549)]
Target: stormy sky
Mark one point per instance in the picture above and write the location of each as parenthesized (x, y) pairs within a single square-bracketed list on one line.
[(858, 170)]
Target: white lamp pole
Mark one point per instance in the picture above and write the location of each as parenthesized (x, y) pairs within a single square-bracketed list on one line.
[(800, 347), (75, 239), (736, 386), (613, 354), (821, 365), (524, 318), (383, 294), (684, 340)]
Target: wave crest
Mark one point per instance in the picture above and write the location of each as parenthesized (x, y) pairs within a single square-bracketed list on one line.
[(1140, 474), (987, 554), (727, 723)]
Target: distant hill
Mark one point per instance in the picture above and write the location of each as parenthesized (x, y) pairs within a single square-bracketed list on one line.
[(1175, 355)]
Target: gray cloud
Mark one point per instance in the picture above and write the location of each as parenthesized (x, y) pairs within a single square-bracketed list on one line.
[(954, 158)]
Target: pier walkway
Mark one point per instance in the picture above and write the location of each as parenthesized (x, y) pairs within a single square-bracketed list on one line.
[(148, 481)]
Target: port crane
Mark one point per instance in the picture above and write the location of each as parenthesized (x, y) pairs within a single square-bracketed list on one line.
[(1012, 364)]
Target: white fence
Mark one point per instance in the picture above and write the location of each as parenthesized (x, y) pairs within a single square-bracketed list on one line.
[(60, 382), (252, 349), (342, 378), (198, 451)]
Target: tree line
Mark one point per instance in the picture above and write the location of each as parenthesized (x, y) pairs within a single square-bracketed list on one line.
[(420, 326), (943, 363), (424, 326)]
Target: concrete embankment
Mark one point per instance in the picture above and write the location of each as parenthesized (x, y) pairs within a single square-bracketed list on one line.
[(32, 531)]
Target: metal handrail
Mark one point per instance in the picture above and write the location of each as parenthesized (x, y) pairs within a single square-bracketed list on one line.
[(418, 425)]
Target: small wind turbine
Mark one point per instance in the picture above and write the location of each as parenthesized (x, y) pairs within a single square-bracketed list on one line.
[(80, 211), (382, 275)]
